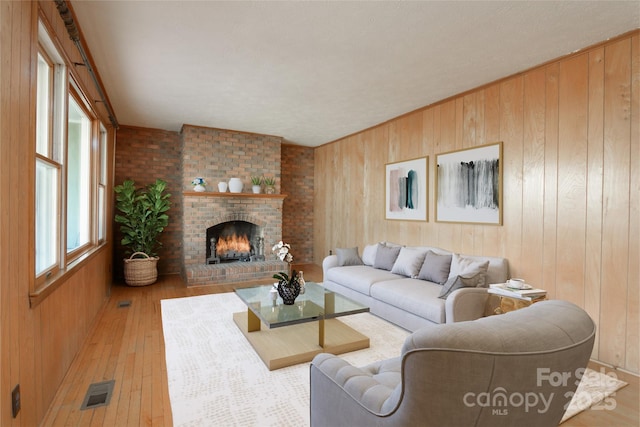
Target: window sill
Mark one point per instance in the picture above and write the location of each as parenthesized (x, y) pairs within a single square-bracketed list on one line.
[(56, 280)]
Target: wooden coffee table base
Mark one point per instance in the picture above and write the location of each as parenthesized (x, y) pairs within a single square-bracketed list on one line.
[(294, 344)]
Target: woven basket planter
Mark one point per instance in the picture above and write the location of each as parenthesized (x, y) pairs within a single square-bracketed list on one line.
[(140, 271)]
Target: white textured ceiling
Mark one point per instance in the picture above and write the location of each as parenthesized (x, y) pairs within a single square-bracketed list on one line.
[(313, 72)]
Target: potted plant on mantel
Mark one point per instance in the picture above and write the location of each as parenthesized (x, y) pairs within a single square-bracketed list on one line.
[(143, 218)]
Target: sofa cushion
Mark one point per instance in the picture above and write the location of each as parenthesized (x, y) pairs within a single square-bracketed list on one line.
[(358, 277), (348, 256), (369, 254), (408, 262), (462, 265), (415, 296), (435, 268), (458, 282), (386, 256), (498, 271)]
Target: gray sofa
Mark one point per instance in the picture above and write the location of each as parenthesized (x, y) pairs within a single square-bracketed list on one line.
[(499, 370), (407, 289)]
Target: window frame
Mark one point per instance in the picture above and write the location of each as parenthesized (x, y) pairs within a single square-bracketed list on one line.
[(65, 84), (80, 100)]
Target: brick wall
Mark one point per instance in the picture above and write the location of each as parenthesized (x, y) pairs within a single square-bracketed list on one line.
[(297, 183), (218, 155), (143, 155)]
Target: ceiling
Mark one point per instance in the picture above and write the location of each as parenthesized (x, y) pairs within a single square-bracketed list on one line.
[(312, 72)]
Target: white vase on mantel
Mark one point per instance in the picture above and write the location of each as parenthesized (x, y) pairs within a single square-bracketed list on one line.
[(256, 189), (222, 187), (235, 185), (199, 188)]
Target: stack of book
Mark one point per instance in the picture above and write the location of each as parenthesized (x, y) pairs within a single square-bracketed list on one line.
[(528, 294)]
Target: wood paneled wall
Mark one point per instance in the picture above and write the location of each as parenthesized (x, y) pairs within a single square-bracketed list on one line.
[(37, 344), (571, 207)]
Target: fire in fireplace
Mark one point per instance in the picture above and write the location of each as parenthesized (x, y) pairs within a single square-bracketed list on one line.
[(234, 241)]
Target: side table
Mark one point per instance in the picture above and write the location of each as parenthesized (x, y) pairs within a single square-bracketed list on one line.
[(507, 304)]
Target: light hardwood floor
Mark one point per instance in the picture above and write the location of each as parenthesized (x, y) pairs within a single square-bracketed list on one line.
[(126, 344)]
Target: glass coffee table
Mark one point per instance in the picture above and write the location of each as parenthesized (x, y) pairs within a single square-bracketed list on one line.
[(295, 333)]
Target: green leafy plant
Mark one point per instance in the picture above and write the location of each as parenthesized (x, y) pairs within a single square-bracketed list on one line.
[(270, 181), (256, 180), (142, 215), (286, 280)]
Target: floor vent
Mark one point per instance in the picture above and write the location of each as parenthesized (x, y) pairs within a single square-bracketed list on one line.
[(125, 303), (98, 394)]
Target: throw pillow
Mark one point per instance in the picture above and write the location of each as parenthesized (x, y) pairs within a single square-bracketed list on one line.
[(408, 262), (458, 282), (369, 254), (348, 256), (386, 257), (435, 268), (461, 265)]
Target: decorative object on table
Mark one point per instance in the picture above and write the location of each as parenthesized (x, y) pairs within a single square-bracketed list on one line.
[(406, 189), (274, 292), (302, 282), (288, 285), (222, 187), (270, 184), (469, 185), (199, 184), (143, 218), (235, 185), (256, 184)]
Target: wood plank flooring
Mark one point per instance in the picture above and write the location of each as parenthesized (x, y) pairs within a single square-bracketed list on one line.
[(126, 344)]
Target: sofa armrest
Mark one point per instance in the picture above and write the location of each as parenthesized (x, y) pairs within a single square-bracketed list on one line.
[(466, 304), (329, 262)]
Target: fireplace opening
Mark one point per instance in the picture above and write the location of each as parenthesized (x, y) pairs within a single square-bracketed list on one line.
[(234, 241)]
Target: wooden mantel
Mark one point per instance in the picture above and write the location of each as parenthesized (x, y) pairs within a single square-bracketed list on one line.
[(241, 195)]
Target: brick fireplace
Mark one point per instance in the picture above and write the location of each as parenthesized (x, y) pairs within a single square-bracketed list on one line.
[(204, 211), (218, 155)]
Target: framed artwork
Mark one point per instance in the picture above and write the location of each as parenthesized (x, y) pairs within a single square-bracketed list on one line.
[(406, 190), (469, 185)]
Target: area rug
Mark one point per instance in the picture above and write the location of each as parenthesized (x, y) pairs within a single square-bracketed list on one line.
[(596, 391), (216, 379)]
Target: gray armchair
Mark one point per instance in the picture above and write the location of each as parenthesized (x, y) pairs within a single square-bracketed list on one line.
[(516, 369)]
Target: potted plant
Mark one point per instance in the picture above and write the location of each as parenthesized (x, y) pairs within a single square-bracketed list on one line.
[(270, 183), (143, 218), (256, 182), (288, 282)]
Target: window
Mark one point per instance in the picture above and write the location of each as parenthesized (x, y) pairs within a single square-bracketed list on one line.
[(50, 103), (102, 186), (78, 176), (71, 166)]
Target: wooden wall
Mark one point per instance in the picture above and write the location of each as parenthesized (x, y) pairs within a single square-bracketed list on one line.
[(571, 207), (37, 344)]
